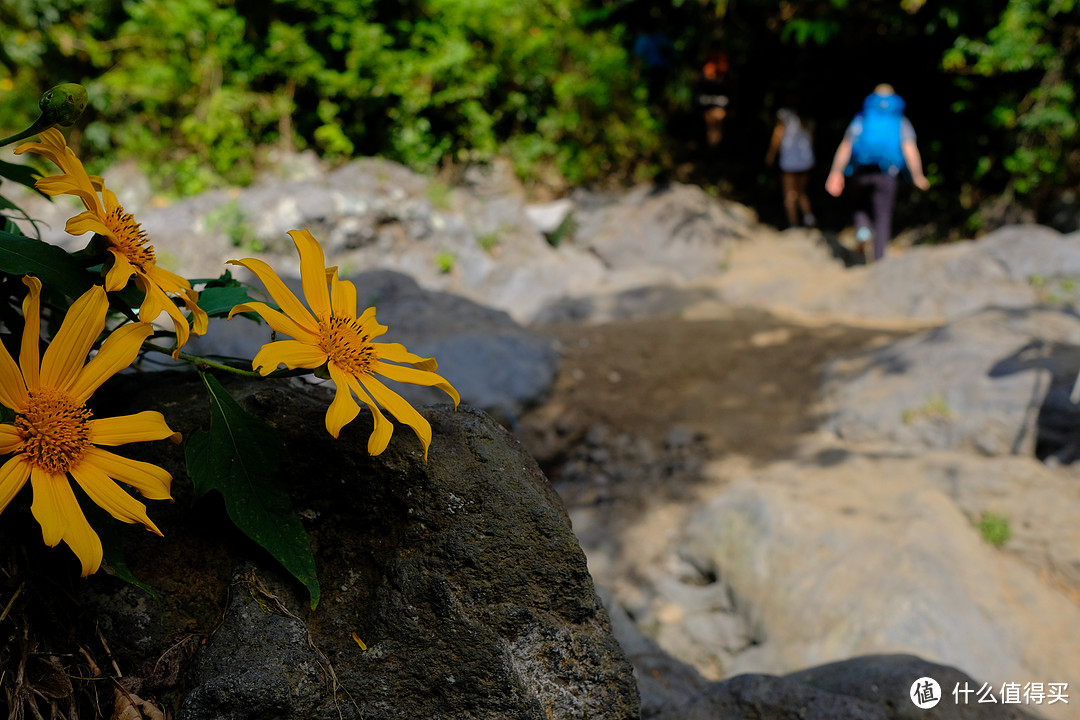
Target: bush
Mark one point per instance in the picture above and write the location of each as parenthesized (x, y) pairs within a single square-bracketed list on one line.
[(193, 87)]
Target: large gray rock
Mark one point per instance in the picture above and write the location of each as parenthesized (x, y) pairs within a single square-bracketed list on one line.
[(776, 698), (842, 560), (673, 227), (461, 576), (886, 681), (1033, 253), (979, 382)]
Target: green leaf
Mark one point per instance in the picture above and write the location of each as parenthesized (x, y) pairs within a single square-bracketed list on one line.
[(240, 457), (220, 300), (22, 174), (20, 255)]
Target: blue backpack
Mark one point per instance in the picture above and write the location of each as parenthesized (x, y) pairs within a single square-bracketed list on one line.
[(878, 144)]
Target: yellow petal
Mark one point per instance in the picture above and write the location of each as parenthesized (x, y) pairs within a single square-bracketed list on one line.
[(169, 281), (158, 282), (111, 203), (150, 480), (344, 409), (279, 322), (200, 321), (84, 542), (282, 295), (10, 439), (312, 273), (47, 147), (12, 388), (372, 327), (13, 475), (415, 376), (400, 409), (30, 350), (65, 355), (116, 353), (396, 352), (58, 512), (70, 185), (290, 353), (51, 504), (107, 495), (342, 297), (140, 427), (383, 429), (119, 273), (85, 222), (154, 302)]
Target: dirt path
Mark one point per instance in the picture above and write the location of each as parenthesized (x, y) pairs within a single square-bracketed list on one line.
[(746, 383), (744, 380)]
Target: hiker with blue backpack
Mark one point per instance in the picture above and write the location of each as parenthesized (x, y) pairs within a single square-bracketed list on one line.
[(878, 146)]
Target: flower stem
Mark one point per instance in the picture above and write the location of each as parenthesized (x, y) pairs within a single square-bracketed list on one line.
[(201, 362), (40, 124)]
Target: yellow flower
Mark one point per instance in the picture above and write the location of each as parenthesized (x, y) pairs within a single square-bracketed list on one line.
[(127, 241), (54, 435), (332, 334)]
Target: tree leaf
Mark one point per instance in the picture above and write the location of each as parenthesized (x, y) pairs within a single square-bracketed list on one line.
[(22, 174), (20, 255), (241, 457), (220, 300)]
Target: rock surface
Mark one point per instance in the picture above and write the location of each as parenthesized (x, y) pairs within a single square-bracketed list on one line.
[(461, 577), (979, 382)]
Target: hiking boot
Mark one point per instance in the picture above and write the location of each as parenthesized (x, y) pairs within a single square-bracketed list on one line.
[(864, 244)]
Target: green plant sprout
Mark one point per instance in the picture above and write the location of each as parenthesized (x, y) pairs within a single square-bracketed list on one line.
[(934, 407), (994, 529), (488, 241), (230, 219), (444, 261), (438, 192)]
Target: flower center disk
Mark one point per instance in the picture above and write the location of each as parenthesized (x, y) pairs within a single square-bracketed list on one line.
[(55, 430), (346, 344), (131, 239)]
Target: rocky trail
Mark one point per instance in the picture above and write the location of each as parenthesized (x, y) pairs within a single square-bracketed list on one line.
[(660, 426), (774, 461)]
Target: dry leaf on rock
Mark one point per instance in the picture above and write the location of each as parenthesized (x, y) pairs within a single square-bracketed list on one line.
[(129, 706)]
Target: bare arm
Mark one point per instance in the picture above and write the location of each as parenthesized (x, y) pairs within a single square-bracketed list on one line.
[(834, 184), (914, 163)]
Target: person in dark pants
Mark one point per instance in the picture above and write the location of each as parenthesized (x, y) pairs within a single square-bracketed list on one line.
[(878, 146)]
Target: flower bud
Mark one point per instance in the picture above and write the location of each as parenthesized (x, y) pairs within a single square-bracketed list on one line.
[(63, 104)]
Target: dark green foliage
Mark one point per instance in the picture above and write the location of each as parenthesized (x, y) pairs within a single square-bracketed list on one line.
[(199, 89), (196, 86), (1030, 61), (240, 457)]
